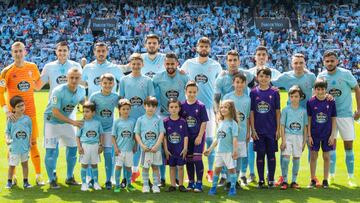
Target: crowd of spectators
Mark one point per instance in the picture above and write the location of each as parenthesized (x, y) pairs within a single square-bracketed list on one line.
[(230, 25)]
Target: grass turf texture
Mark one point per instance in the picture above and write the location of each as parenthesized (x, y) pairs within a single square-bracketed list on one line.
[(338, 192)]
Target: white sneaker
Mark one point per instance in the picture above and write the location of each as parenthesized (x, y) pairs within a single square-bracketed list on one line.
[(146, 189), (97, 186), (84, 187), (351, 182), (155, 189)]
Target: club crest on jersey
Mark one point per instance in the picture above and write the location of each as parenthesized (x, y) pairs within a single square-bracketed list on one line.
[(54, 99), (201, 78), (23, 86), (174, 138), (105, 113), (221, 134), (126, 134), (295, 126), (172, 94), (136, 101), (61, 79), (335, 92), (321, 117), (2, 83), (21, 135), (263, 107), (150, 135), (91, 134)]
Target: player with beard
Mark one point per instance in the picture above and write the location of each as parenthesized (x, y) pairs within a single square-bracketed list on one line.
[(153, 60), (340, 84), (94, 70), (204, 71), (169, 84)]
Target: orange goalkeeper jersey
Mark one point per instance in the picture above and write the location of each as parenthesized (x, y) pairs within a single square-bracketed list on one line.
[(19, 81)]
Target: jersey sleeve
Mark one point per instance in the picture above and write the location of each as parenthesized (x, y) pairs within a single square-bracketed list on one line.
[(306, 120), (161, 126), (85, 73), (114, 129), (79, 132), (218, 83), (122, 88), (308, 108), (203, 114), (55, 100), (350, 80), (333, 112), (280, 81), (235, 129), (277, 100), (137, 129), (101, 130), (247, 110), (185, 66), (45, 74), (3, 82), (252, 102), (186, 130), (36, 72)]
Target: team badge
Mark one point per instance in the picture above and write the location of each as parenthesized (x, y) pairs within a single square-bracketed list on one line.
[(2, 83), (54, 100)]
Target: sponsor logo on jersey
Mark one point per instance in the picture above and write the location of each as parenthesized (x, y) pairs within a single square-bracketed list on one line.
[(191, 121), (295, 126), (126, 134), (240, 116), (263, 107), (68, 108), (23, 86), (20, 135), (174, 138), (91, 134), (221, 134), (150, 135), (321, 117), (172, 94), (106, 113), (61, 79), (136, 101), (150, 74), (201, 78), (335, 92)]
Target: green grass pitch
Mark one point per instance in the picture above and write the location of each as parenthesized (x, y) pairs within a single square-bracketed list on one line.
[(338, 192)]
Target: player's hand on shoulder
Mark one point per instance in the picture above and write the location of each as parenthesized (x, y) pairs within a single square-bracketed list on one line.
[(329, 97), (11, 116), (77, 123)]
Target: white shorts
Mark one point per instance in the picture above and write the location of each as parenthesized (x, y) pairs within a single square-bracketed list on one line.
[(91, 154), (224, 159), (15, 159), (124, 159), (108, 139), (294, 144), (64, 134), (345, 127), (149, 159), (210, 126), (242, 149)]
